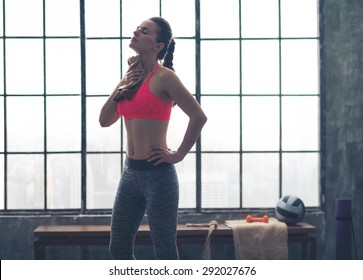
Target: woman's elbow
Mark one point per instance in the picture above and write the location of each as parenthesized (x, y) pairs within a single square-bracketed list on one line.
[(104, 122), (202, 119), (205, 118)]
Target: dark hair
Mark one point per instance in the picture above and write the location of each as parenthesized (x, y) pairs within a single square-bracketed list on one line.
[(165, 35)]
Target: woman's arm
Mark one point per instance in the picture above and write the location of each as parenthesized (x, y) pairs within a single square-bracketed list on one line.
[(190, 106), (108, 114)]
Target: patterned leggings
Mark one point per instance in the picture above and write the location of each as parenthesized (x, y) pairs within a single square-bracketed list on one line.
[(154, 189)]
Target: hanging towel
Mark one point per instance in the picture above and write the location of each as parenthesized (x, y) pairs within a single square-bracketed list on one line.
[(128, 91), (212, 225), (259, 240)]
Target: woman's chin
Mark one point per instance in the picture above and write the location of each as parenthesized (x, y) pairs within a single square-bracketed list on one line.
[(133, 47)]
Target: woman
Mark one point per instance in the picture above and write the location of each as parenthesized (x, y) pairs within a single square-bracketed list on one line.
[(149, 181)]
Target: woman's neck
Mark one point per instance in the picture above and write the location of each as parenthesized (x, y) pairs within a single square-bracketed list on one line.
[(148, 64)]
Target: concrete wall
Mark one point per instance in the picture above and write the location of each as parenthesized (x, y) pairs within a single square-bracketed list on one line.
[(342, 113)]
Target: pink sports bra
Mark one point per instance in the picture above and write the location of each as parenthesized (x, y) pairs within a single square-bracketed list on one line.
[(144, 104)]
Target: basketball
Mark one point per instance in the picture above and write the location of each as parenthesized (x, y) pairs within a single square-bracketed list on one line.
[(290, 209)]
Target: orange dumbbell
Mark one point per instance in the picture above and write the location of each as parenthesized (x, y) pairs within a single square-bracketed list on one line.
[(250, 219)]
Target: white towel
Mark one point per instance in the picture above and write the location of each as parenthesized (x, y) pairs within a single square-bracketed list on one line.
[(258, 240), (212, 225)]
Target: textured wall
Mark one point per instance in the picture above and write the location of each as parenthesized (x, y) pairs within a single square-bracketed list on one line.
[(342, 114)]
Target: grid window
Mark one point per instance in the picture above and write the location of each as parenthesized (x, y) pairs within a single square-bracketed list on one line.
[(260, 67), (260, 180), (252, 64), (31, 23)]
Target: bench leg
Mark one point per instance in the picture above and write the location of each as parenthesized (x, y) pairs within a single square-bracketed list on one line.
[(39, 251), (304, 250), (309, 252), (313, 248)]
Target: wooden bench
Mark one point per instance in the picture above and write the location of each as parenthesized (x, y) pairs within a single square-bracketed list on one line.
[(86, 235)]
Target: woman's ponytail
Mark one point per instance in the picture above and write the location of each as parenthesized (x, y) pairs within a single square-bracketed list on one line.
[(165, 35), (168, 59)]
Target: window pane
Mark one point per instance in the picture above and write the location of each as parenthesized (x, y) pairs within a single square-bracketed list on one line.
[(260, 67), (63, 64), (102, 18), (300, 123), (25, 181), (24, 18), (103, 175), (187, 182), (64, 181), (103, 66), (171, 11), (62, 17), (260, 18), (177, 127), (25, 124), (300, 66), (219, 21), (220, 70), (1, 66), (260, 123), (299, 18), (64, 123), (135, 12), (222, 131), (1, 20), (300, 176), (2, 134), (185, 68), (2, 187), (220, 181), (24, 60), (101, 138), (260, 180)]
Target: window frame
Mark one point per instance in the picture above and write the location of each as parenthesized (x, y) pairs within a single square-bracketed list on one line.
[(83, 152)]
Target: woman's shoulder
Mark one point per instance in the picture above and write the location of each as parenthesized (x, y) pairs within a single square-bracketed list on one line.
[(164, 74), (164, 71)]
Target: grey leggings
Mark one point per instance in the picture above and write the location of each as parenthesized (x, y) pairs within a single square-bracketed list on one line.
[(154, 189)]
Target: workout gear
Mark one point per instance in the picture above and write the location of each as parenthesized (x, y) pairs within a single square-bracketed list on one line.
[(154, 189), (144, 104)]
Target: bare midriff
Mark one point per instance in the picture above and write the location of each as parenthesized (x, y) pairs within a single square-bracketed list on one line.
[(143, 134)]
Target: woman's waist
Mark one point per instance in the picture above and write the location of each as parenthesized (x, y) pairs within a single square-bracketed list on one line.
[(139, 146), (143, 164)]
